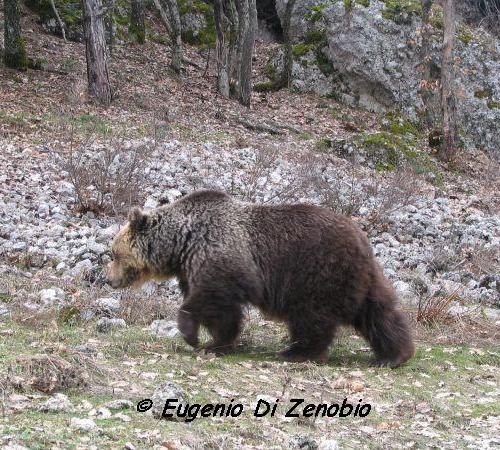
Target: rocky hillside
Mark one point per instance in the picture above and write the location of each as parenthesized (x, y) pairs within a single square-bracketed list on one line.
[(369, 54)]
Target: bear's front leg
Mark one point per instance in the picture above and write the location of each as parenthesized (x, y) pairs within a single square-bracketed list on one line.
[(223, 322), (188, 326), (221, 317)]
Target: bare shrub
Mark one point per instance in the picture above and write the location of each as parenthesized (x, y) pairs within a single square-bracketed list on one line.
[(106, 178), (444, 259), (138, 309), (47, 373), (344, 195), (483, 261), (401, 190), (436, 308), (351, 193), (257, 180)]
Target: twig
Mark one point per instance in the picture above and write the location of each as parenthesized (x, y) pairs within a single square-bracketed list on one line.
[(59, 20)]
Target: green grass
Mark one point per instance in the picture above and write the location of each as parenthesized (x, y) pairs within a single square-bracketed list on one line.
[(91, 123), (125, 355)]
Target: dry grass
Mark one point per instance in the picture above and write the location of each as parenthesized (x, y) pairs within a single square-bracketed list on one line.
[(47, 373), (138, 309), (436, 308), (434, 323)]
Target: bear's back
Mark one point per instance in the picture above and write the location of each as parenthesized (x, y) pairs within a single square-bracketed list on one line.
[(205, 196)]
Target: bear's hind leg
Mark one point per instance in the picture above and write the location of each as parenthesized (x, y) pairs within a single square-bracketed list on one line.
[(310, 339)]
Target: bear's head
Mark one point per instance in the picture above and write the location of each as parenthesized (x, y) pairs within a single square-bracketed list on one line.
[(129, 267)]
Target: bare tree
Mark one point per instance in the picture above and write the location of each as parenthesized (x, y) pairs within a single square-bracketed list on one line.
[(96, 51), (236, 24), (448, 101), (109, 7), (137, 23), (169, 12), (224, 24), (426, 82), (59, 20), (286, 76), (247, 19), (15, 51)]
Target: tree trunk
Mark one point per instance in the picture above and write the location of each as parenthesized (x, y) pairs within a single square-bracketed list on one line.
[(169, 12), (223, 29), (426, 83), (96, 52), (15, 51), (448, 105), (137, 23), (236, 24), (110, 25), (286, 76), (246, 37)]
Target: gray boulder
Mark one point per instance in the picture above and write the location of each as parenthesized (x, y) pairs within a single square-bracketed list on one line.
[(164, 392), (368, 57)]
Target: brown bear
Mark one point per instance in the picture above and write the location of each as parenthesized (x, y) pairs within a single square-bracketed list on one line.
[(297, 263)]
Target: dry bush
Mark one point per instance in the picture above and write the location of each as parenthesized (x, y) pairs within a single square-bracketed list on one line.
[(401, 190), (470, 328), (257, 180), (444, 259), (47, 373), (348, 194), (344, 195), (434, 309), (138, 309), (106, 178), (483, 261)]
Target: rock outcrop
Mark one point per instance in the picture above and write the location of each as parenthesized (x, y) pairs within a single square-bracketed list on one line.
[(369, 55)]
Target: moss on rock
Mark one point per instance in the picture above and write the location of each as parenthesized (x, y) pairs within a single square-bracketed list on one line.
[(206, 35), (401, 11), (301, 49), (492, 104), (388, 151)]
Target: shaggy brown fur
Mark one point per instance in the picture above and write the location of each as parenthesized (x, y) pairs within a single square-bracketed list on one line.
[(300, 264)]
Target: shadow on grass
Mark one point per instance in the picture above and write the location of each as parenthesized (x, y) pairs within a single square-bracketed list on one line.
[(340, 356)]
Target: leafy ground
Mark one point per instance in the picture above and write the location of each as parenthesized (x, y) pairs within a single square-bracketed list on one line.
[(447, 396)]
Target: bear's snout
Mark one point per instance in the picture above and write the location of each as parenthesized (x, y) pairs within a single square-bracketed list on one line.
[(113, 281)]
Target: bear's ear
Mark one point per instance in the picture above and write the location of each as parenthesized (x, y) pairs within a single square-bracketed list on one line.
[(137, 219)]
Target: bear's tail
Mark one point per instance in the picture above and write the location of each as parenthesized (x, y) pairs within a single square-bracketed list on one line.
[(384, 325)]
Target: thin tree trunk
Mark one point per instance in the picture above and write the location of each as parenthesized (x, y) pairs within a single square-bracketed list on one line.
[(96, 51), (426, 84), (448, 102), (169, 12), (286, 76), (15, 51), (137, 22), (248, 24), (223, 29), (110, 25), (59, 20), (234, 53)]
